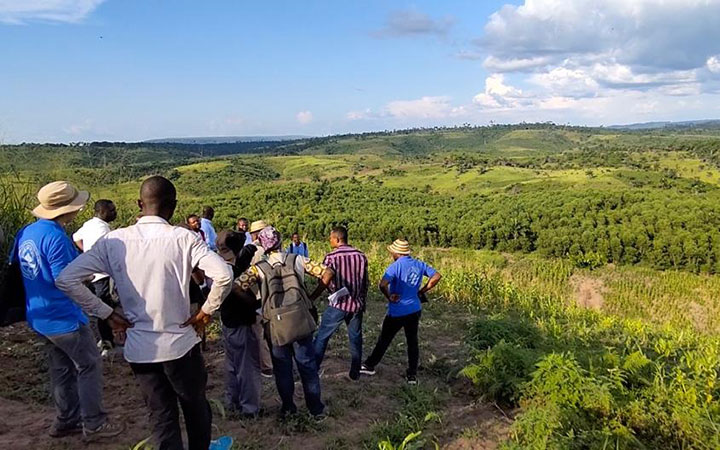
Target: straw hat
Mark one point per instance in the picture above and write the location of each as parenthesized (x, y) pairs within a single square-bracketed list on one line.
[(58, 198), (258, 225), (400, 247)]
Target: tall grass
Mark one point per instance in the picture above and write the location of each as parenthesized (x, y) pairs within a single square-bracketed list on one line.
[(585, 379), (16, 200)]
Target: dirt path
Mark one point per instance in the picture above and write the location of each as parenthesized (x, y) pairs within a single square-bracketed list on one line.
[(361, 413)]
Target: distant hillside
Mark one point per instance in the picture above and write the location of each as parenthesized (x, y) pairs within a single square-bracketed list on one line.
[(224, 139), (705, 123)]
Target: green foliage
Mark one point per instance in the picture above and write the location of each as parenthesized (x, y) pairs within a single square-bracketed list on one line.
[(592, 380)]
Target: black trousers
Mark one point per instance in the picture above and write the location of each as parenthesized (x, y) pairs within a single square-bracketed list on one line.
[(167, 383), (390, 327), (101, 288)]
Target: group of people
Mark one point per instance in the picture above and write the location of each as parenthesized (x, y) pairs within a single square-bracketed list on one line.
[(140, 283)]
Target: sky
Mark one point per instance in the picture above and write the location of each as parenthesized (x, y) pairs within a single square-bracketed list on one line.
[(128, 70)]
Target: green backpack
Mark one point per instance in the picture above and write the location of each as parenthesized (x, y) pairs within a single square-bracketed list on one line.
[(285, 302)]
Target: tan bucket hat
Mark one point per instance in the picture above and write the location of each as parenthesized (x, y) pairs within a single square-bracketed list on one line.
[(58, 198), (400, 247), (256, 226)]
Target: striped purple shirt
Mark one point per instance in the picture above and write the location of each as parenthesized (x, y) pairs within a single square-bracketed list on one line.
[(351, 271)]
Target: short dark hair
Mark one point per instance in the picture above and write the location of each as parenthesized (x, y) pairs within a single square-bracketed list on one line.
[(208, 211), (296, 234), (340, 233), (187, 219), (243, 219), (102, 205)]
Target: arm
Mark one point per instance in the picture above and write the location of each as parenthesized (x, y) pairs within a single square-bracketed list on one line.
[(79, 244), (70, 281), (216, 269), (432, 282), (322, 272), (384, 287), (323, 283)]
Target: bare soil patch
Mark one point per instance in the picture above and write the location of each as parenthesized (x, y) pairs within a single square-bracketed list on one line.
[(588, 291), (357, 410)]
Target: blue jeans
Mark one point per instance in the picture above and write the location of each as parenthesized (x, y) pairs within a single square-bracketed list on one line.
[(304, 354), (75, 368), (331, 320)]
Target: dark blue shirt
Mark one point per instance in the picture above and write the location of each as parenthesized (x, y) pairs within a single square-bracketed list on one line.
[(405, 276), (43, 250)]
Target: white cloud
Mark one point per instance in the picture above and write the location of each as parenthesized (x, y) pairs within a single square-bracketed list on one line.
[(304, 117), (21, 11), (713, 64), (429, 107), (514, 64), (566, 82), (660, 34), (410, 22), (498, 94), (587, 58), (360, 115), (422, 108)]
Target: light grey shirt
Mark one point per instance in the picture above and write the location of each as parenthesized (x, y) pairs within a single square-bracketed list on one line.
[(151, 263)]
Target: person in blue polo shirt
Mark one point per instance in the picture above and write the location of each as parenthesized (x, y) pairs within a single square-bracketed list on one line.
[(401, 285), (43, 250)]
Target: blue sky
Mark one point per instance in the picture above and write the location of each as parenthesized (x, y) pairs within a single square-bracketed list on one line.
[(75, 70)]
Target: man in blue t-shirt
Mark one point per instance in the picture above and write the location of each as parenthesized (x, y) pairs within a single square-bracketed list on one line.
[(43, 250), (401, 285), (298, 247)]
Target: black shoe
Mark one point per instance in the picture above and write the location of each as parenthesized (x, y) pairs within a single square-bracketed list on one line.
[(58, 432), (367, 370), (411, 380)]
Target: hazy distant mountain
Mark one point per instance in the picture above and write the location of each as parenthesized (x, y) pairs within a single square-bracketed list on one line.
[(223, 139), (667, 124)]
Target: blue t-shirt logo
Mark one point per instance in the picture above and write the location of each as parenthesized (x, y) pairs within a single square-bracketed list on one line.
[(414, 277), (29, 258)]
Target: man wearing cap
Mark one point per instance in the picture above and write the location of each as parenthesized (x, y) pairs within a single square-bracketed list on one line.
[(152, 263), (266, 367), (43, 250), (241, 343), (401, 285)]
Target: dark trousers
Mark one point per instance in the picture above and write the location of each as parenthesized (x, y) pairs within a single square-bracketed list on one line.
[(164, 385), (303, 353), (331, 320), (75, 370), (101, 288), (242, 369), (390, 327)]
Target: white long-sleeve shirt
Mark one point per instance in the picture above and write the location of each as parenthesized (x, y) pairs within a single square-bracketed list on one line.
[(151, 263)]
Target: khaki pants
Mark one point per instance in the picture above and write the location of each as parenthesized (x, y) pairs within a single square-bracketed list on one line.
[(265, 356)]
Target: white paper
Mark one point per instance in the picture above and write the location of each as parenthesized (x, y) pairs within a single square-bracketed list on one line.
[(339, 294)]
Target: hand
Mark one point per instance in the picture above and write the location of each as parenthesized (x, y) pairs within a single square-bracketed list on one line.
[(119, 325), (394, 298), (198, 321)]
